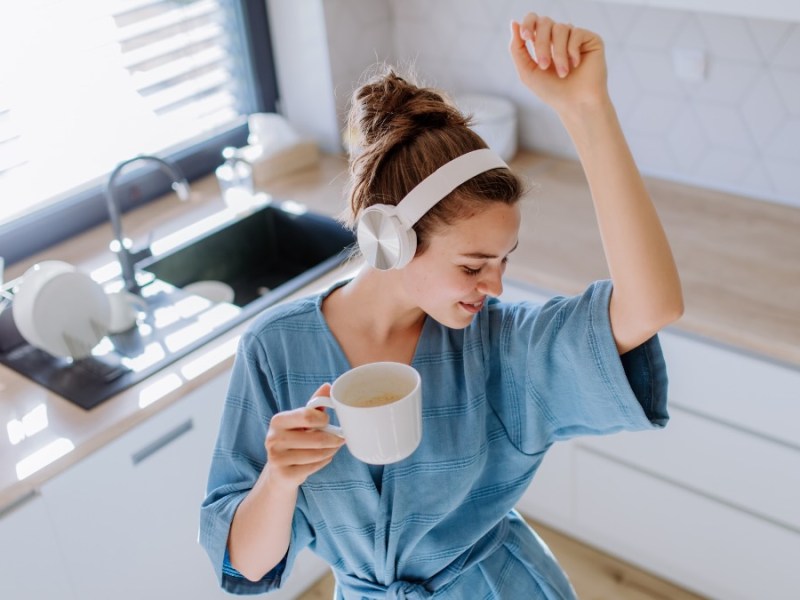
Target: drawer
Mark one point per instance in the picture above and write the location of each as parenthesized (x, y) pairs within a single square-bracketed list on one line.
[(729, 465), (755, 394), (549, 496), (685, 537)]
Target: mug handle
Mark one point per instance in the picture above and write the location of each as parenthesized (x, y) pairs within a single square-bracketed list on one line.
[(325, 402)]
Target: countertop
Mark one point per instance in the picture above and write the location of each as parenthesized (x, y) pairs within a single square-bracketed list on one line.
[(739, 261)]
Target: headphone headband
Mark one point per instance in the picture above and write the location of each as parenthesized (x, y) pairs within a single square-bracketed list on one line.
[(428, 192), (385, 232)]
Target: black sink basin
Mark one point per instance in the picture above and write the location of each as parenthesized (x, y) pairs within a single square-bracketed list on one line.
[(264, 256), (257, 254)]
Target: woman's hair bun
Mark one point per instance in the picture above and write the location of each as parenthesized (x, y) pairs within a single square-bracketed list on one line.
[(390, 109)]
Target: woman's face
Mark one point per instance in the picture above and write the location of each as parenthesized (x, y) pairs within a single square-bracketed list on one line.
[(463, 265)]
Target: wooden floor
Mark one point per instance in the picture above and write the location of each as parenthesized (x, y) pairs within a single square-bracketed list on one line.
[(596, 576)]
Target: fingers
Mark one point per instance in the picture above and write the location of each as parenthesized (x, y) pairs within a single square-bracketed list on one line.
[(305, 457), (299, 418), (560, 36), (304, 439), (323, 390), (297, 474), (300, 428), (519, 50), (553, 44), (541, 29), (574, 44), (297, 445), (288, 469)]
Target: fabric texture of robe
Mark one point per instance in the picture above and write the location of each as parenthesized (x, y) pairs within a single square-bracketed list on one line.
[(441, 523)]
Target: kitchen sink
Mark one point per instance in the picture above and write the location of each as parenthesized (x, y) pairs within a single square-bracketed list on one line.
[(263, 256), (257, 255)]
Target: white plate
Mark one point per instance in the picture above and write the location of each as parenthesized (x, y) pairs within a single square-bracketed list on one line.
[(214, 291), (61, 310)]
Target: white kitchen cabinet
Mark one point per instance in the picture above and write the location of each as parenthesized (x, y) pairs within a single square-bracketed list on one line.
[(710, 502), (729, 465), (698, 542), (31, 567), (550, 494), (126, 517)]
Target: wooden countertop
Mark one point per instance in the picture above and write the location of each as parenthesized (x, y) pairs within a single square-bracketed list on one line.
[(739, 261), (738, 258)]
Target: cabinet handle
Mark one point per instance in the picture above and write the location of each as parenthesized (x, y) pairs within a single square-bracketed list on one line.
[(18, 503), (161, 442)]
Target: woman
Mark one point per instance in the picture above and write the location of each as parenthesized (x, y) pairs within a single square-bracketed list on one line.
[(501, 382)]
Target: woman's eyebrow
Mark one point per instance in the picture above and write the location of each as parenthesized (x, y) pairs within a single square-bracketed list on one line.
[(484, 255)]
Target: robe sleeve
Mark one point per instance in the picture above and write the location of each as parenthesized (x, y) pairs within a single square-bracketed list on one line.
[(238, 458), (563, 376)]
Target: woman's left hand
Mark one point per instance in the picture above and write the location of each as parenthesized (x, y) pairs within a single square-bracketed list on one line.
[(569, 69)]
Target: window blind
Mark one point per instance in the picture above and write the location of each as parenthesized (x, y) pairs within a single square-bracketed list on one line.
[(85, 84)]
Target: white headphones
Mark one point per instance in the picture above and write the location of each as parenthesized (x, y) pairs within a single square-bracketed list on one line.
[(385, 232)]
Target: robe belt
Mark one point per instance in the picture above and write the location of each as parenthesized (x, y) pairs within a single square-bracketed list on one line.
[(355, 587)]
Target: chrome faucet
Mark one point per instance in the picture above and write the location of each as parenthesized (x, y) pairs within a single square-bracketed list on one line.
[(121, 245)]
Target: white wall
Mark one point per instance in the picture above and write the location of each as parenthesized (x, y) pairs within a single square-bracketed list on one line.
[(300, 46), (738, 129), (360, 34)]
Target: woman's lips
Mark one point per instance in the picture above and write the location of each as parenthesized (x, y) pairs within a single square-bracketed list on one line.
[(473, 307)]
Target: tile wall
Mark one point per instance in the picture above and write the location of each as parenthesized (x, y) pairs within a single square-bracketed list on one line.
[(737, 129)]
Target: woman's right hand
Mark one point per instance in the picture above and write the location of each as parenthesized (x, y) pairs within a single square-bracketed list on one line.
[(569, 69), (298, 445)]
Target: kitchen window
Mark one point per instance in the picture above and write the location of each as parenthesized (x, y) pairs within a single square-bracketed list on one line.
[(85, 84)]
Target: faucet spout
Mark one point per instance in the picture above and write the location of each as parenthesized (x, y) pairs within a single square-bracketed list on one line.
[(122, 245)]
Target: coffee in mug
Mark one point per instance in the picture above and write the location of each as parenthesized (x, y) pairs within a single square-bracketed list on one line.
[(378, 400), (379, 407)]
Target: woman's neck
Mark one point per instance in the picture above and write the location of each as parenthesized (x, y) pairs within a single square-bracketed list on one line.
[(372, 322), (375, 304)]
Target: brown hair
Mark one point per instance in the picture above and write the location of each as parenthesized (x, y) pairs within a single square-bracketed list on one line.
[(399, 134)]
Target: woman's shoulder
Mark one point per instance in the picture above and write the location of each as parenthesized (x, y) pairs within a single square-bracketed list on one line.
[(547, 315)]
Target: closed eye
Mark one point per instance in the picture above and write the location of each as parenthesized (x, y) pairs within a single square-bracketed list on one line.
[(473, 272)]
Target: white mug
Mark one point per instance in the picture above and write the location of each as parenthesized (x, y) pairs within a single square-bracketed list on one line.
[(125, 308), (379, 406)]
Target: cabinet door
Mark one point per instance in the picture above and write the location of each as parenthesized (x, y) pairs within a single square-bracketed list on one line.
[(701, 544), (749, 393), (742, 470), (549, 497), (31, 567), (127, 516)]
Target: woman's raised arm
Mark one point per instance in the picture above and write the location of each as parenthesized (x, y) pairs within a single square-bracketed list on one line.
[(569, 74)]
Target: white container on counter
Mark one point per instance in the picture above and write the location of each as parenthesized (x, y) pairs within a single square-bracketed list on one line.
[(494, 119)]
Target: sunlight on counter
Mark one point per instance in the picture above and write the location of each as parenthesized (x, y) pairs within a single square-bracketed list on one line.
[(29, 425), (43, 457), (159, 388), (210, 359)]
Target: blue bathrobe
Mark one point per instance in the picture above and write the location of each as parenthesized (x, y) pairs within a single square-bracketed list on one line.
[(441, 523)]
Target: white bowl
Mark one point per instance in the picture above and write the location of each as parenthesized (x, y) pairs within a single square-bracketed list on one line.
[(494, 119), (214, 291), (125, 308)]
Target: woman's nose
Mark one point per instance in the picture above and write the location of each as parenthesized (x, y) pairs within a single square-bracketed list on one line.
[(492, 283)]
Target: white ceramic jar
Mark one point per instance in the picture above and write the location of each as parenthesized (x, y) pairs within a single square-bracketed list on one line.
[(494, 119)]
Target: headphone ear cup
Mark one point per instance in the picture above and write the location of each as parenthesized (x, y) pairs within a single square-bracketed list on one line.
[(383, 239), (407, 249)]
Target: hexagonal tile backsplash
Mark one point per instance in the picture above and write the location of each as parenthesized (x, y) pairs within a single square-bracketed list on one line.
[(737, 129)]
